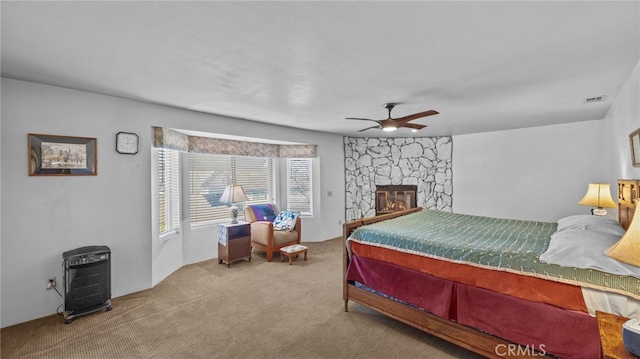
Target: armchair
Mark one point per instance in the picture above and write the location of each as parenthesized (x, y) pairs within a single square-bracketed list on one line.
[(263, 236)]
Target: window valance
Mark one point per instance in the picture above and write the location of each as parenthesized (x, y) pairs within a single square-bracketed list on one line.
[(171, 139), (297, 151)]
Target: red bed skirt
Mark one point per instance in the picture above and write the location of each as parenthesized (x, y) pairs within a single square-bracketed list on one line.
[(530, 288), (533, 325)]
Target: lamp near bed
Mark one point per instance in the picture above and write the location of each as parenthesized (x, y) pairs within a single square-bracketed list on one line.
[(627, 249), (233, 193), (598, 195)]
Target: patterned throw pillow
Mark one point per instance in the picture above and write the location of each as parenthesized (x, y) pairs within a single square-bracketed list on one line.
[(285, 221)]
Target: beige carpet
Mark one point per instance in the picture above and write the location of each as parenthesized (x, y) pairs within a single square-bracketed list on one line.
[(252, 310)]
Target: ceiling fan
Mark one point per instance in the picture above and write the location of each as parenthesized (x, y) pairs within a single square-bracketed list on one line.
[(392, 124)]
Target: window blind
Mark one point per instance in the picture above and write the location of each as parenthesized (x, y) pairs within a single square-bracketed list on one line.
[(168, 192), (210, 174), (299, 189)]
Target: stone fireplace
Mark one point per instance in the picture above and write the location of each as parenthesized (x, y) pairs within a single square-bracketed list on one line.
[(424, 162), (395, 198)]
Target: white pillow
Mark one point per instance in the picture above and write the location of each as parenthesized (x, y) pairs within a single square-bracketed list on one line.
[(591, 223)]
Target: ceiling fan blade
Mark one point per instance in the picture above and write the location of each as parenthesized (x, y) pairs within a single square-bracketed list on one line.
[(368, 128), (361, 119), (415, 126), (391, 124), (416, 115)]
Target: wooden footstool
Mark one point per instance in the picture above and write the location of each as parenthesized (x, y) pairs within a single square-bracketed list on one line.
[(291, 251)]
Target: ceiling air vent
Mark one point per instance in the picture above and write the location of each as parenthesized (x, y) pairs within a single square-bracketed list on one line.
[(595, 99)]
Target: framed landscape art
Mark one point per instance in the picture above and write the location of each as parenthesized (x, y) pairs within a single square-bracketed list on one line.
[(52, 155)]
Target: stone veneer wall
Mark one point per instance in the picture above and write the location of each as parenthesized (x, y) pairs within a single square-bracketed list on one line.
[(421, 161)]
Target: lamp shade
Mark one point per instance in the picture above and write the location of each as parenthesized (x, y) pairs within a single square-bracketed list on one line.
[(598, 195), (233, 193), (627, 249)]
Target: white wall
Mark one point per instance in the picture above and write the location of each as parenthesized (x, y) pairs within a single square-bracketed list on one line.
[(536, 173), (622, 118), (42, 217)]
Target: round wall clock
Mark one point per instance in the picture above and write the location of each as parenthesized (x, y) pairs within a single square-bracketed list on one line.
[(127, 143)]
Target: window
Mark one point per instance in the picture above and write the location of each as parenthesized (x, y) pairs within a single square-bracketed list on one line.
[(299, 190), (168, 192), (210, 174)]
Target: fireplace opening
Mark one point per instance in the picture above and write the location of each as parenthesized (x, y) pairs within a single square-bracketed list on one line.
[(395, 198)]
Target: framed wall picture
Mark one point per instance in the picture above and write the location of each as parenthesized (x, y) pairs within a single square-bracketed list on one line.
[(634, 140), (52, 155)]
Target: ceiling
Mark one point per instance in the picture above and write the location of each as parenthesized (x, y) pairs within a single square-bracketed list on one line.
[(484, 66)]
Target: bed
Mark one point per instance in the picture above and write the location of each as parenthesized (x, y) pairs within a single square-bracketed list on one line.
[(491, 285)]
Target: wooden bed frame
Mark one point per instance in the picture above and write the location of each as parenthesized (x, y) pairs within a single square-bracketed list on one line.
[(628, 195), (458, 334)]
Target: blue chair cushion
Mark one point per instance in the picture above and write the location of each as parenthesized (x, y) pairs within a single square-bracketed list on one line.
[(264, 212)]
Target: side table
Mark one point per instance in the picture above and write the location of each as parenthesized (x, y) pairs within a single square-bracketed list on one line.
[(234, 242), (610, 327)]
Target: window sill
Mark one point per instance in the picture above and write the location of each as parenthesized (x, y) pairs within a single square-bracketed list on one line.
[(166, 236)]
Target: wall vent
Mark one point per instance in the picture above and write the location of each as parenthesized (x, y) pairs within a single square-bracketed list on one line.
[(595, 99)]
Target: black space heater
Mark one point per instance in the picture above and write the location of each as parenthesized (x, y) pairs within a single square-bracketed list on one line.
[(87, 281)]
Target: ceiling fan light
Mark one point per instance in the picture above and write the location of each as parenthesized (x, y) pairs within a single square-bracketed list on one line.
[(414, 130), (389, 128)]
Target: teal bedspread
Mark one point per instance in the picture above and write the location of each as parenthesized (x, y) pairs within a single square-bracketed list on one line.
[(494, 243)]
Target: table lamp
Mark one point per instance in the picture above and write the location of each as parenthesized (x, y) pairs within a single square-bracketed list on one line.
[(233, 193), (598, 195), (627, 249)]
